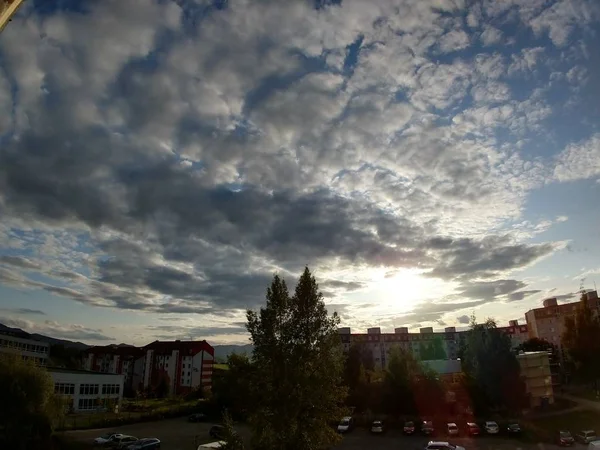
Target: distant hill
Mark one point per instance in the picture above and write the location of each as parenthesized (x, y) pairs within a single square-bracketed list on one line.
[(41, 337), (223, 351)]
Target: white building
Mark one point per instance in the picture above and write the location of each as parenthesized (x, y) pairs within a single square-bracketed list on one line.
[(88, 391), (27, 348)]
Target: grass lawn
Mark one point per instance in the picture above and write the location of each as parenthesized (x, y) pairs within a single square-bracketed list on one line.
[(220, 366), (547, 427)]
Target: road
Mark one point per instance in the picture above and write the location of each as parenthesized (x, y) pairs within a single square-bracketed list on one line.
[(178, 434)]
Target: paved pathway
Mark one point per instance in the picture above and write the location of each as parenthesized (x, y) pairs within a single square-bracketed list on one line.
[(581, 402)]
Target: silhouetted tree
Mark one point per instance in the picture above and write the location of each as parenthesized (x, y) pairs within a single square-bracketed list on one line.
[(581, 341), (299, 365)]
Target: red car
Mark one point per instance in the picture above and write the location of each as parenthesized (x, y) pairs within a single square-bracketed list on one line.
[(472, 429)]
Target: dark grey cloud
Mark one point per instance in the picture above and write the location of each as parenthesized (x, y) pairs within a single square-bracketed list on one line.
[(20, 262), (490, 289), (459, 258), (26, 311), (515, 296), (185, 332), (464, 319)]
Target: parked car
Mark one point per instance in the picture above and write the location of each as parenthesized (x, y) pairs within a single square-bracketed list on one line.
[(409, 427), (564, 438), (145, 444), (452, 429), (427, 428), (441, 445), (346, 425), (377, 427), (491, 427), (106, 437), (594, 445), (123, 441), (472, 429), (217, 432), (586, 436), (197, 417), (513, 428)]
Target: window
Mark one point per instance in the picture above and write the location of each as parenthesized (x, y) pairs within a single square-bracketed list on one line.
[(110, 389), (64, 388), (88, 389), (87, 403)]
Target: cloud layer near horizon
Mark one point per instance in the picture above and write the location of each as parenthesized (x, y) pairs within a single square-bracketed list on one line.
[(169, 157)]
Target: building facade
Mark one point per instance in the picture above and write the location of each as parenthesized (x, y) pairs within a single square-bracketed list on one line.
[(427, 344), (83, 390), (29, 349), (548, 322), (183, 365), (536, 372), (123, 360)]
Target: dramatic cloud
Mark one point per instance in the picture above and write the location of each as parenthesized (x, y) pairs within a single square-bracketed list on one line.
[(57, 330), (170, 157)]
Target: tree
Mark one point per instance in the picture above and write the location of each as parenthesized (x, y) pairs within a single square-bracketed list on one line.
[(492, 369), (537, 345), (432, 350), (298, 363), (231, 390), (581, 340), (399, 379), (29, 405)]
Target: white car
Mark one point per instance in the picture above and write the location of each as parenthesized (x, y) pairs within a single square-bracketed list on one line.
[(345, 425), (440, 445), (106, 438), (491, 427), (452, 429), (377, 427)]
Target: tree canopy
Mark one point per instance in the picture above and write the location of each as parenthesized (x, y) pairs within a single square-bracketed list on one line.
[(581, 341), (28, 402), (298, 362), (491, 368)]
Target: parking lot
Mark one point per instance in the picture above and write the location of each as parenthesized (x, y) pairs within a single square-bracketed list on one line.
[(179, 434)]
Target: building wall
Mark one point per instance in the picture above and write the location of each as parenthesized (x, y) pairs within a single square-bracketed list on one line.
[(87, 390), (548, 322), (27, 348), (380, 344), (535, 369)]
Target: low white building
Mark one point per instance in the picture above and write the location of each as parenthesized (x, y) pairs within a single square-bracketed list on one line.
[(88, 391), (28, 349)]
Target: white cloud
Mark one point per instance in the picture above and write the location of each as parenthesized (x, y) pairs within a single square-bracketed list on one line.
[(579, 161), (491, 35)]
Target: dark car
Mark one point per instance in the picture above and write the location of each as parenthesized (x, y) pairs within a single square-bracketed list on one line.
[(217, 432), (427, 428), (472, 429), (565, 438), (409, 427), (586, 436), (198, 417), (513, 428)]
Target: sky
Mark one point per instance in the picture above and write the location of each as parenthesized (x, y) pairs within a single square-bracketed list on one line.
[(161, 160)]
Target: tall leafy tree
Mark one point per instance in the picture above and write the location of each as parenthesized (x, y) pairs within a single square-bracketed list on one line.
[(492, 369), (299, 364), (581, 340), (29, 406)]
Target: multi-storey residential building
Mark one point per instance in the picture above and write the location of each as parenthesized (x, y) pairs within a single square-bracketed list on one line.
[(426, 345), (20, 343), (517, 333), (185, 365), (125, 360), (549, 322)]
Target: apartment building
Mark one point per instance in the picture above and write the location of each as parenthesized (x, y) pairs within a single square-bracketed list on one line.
[(83, 390), (427, 344), (548, 322), (20, 343), (535, 370), (184, 365), (125, 360)]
